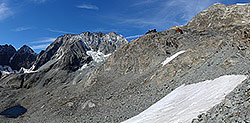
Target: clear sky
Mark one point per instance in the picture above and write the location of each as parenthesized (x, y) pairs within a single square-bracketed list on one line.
[(37, 23)]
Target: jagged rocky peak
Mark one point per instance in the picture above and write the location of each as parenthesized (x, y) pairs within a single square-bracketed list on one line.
[(70, 51), (6, 52), (24, 57), (26, 49), (105, 43), (151, 31), (222, 17)]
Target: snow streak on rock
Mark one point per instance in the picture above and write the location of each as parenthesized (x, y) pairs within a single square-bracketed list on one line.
[(171, 57), (188, 101), (24, 70)]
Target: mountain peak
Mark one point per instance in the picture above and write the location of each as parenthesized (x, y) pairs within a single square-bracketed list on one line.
[(79, 45), (222, 17), (24, 57), (26, 49)]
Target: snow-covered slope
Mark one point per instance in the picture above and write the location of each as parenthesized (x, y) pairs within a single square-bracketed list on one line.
[(188, 101)]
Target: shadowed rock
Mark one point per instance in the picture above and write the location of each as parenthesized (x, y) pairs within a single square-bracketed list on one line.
[(6, 52), (24, 57)]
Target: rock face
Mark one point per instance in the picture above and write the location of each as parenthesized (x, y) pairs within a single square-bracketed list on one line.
[(6, 52), (24, 57), (222, 17), (70, 84)]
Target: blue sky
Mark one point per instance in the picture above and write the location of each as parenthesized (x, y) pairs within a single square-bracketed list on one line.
[(37, 23)]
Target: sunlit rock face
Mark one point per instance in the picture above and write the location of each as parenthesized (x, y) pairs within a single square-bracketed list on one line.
[(222, 17)]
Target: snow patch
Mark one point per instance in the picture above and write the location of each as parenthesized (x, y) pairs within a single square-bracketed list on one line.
[(188, 101), (84, 66), (218, 3), (171, 57), (241, 4), (11, 58), (24, 70), (6, 70), (32, 67), (98, 56)]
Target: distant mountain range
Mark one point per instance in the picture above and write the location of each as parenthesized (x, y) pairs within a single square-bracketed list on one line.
[(15, 60)]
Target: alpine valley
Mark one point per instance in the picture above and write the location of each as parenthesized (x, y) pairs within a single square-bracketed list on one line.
[(198, 72)]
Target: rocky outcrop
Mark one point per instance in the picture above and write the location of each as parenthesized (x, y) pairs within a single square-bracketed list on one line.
[(24, 57), (6, 52), (222, 17), (151, 31)]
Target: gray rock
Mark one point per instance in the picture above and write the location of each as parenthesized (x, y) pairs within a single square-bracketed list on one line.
[(228, 103)]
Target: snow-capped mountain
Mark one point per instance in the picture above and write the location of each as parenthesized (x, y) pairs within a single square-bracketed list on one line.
[(71, 50)]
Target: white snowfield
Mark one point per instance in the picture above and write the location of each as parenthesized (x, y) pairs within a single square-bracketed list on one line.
[(84, 66), (171, 57), (98, 56), (188, 101)]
